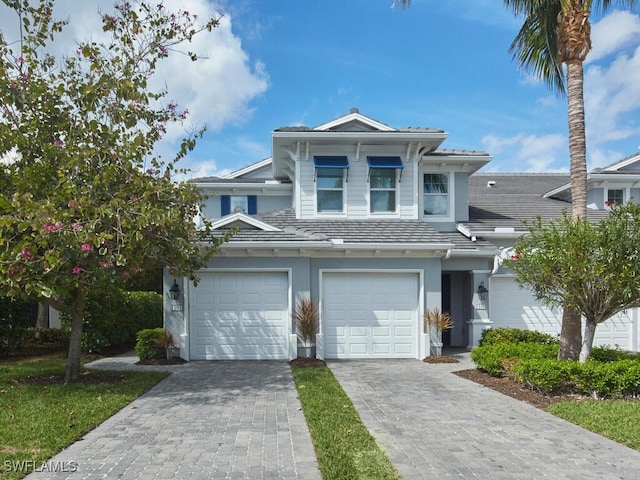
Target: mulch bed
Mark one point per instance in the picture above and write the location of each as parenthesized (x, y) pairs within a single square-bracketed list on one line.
[(440, 359), (307, 362), (162, 361), (513, 388)]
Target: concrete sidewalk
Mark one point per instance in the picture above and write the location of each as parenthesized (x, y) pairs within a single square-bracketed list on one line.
[(208, 420), (434, 424)]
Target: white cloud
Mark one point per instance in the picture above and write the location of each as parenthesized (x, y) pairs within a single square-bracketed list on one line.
[(529, 153), (217, 90), (612, 33)]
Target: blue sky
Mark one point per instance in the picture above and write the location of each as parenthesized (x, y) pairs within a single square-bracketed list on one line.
[(439, 64)]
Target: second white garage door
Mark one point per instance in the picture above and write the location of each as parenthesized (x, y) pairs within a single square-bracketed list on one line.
[(370, 315), (240, 316)]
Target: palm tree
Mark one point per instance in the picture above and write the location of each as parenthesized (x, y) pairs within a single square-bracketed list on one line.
[(557, 32)]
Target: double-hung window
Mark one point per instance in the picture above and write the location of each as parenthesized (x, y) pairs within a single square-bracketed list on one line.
[(436, 194), (330, 189), (382, 190)]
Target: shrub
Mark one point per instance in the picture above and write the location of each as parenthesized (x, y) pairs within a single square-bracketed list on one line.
[(114, 318), (496, 358), (148, 344), (492, 336), (46, 336), (306, 314), (610, 354), (615, 379), (545, 374)]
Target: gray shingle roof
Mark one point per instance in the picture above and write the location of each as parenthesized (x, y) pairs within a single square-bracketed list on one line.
[(388, 231), (515, 198)]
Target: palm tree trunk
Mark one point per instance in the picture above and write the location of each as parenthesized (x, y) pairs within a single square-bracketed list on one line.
[(571, 332), (589, 334)]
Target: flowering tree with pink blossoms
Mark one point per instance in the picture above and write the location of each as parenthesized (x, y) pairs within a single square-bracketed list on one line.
[(84, 202)]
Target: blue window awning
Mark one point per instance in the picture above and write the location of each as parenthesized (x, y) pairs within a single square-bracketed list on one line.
[(385, 162), (333, 161), (330, 161)]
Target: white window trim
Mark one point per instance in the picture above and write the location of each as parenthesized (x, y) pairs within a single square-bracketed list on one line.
[(332, 213), (451, 193), (626, 194), (387, 214)]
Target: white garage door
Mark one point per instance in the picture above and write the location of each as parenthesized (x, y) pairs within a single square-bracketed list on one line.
[(514, 307), (370, 315), (240, 316)]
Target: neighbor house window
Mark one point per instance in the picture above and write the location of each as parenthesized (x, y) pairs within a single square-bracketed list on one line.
[(382, 190), (330, 189), (436, 194), (615, 197), (238, 204)]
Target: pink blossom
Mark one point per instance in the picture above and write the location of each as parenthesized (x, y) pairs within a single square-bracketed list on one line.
[(106, 264), (76, 270), (26, 254), (86, 247), (13, 85), (49, 227), (20, 60), (73, 204), (77, 227), (58, 143)]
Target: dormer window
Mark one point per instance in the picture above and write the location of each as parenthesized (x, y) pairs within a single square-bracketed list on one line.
[(238, 204)]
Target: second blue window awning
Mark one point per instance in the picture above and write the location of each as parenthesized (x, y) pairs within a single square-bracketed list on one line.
[(385, 162), (333, 161)]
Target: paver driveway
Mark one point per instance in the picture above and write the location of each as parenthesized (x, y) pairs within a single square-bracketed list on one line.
[(208, 420), (435, 425)]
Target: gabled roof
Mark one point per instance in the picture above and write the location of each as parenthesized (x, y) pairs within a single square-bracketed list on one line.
[(239, 219), (249, 169)]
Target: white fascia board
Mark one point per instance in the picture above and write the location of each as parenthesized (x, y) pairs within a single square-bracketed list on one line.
[(614, 177), (460, 252), (249, 169), (245, 188), (241, 217), (389, 137), (469, 164), (357, 117), (393, 246), (623, 163), (271, 245)]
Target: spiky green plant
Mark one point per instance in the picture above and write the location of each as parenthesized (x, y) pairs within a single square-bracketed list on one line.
[(307, 316)]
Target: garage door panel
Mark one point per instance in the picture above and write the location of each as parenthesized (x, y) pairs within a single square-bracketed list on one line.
[(240, 316), (367, 315)]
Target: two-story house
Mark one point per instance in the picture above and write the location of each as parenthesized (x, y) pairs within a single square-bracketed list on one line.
[(377, 225)]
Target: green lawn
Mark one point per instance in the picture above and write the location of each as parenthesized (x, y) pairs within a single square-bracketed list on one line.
[(344, 447), (618, 420), (37, 420)]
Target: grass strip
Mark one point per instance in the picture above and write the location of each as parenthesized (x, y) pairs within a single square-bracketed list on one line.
[(37, 420), (618, 420), (344, 447)]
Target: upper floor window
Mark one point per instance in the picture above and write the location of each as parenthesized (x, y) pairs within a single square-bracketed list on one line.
[(238, 204), (330, 189), (382, 186), (615, 197), (436, 194)]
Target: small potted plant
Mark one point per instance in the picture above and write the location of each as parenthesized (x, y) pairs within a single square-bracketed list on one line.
[(166, 341), (437, 322), (307, 316)]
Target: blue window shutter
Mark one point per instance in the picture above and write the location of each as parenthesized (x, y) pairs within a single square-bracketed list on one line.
[(225, 203), (252, 204)]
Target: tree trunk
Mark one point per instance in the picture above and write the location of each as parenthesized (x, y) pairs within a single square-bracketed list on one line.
[(571, 333), (72, 373), (587, 342), (42, 317)]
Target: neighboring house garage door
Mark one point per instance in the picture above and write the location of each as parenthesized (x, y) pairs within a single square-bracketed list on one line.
[(514, 307), (370, 315), (240, 316)]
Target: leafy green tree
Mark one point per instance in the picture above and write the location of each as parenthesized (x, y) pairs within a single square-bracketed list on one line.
[(85, 203), (593, 269), (557, 32)]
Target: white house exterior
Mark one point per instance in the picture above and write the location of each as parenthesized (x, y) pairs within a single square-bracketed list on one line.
[(376, 224)]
